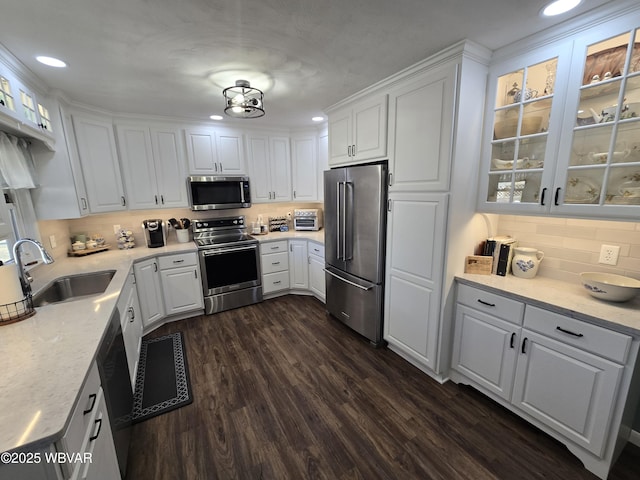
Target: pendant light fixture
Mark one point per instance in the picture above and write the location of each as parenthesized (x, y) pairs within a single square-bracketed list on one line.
[(243, 101)]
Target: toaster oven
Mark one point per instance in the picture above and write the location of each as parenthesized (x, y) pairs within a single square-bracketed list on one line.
[(307, 219)]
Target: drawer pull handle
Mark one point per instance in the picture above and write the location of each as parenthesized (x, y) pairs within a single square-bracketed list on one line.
[(569, 332), (486, 303), (178, 261), (99, 422), (275, 248), (277, 282), (511, 342), (524, 345), (93, 397), (275, 263)]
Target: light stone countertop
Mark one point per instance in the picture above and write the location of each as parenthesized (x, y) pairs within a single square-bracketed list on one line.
[(565, 298), (292, 235), (46, 358)]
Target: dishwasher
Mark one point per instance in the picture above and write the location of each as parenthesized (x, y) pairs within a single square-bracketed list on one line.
[(116, 385)]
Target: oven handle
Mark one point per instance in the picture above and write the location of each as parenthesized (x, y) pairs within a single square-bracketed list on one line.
[(220, 251)]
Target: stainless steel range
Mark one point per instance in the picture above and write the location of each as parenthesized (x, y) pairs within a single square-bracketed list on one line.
[(229, 263)]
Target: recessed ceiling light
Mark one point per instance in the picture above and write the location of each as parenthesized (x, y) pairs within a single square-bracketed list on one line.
[(51, 62), (216, 117), (317, 119), (559, 6)]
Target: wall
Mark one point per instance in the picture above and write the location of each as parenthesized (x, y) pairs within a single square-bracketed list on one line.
[(572, 246), (132, 220)]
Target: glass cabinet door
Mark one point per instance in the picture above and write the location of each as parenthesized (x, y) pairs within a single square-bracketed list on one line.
[(604, 161), (521, 118)]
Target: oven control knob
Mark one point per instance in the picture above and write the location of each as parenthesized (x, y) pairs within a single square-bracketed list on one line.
[(235, 222)]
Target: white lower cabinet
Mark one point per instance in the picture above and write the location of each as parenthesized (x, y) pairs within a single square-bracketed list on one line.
[(168, 285), (316, 270), (149, 291), (568, 377), (88, 438), (413, 279), (298, 264), (131, 321), (274, 261), (181, 285)]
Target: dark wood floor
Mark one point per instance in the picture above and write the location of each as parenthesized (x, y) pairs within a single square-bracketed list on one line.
[(281, 391)]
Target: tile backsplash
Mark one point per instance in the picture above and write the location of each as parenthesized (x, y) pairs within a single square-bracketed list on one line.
[(572, 246), (132, 220)]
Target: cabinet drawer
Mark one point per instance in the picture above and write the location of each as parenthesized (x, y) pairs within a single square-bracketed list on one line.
[(178, 260), (591, 338), (274, 262), (87, 402), (272, 282), (316, 249), (273, 247), (496, 305)]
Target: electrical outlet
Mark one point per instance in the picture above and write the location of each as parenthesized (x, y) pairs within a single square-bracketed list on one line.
[(116, 229), (52, 241), (609, 254)]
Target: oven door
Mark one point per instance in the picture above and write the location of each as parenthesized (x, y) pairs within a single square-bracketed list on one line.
[(229, 268)]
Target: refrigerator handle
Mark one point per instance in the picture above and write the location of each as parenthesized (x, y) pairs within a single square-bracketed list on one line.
[(347, 230), (338, 218), (366, 289)]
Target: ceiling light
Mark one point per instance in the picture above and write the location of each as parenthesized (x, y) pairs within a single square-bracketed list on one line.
[(559, 6), (216, 117), (51, 62), (243, 101), (317, 119)]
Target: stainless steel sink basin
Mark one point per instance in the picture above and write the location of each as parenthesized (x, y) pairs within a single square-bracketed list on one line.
[(72, 287)]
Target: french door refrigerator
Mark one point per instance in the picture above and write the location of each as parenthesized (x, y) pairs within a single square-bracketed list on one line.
[(355, 233)]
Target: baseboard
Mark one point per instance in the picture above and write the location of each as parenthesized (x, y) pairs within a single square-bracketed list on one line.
[(635, 438)]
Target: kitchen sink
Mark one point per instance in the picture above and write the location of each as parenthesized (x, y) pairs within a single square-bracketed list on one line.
[(72, 287)]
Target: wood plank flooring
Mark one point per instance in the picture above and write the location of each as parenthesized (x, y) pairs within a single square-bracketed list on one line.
[(282, 391)]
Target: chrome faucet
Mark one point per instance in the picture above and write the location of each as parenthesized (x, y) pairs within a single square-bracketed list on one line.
[(25, 278)]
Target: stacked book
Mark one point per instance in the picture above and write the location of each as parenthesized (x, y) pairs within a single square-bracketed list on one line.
[(501, 249)]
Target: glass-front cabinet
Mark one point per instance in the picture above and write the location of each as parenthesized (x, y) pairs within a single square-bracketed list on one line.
[(562, 128), (601, 159)]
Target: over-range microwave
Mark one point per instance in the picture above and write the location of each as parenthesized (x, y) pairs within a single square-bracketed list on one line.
[(218, 192)]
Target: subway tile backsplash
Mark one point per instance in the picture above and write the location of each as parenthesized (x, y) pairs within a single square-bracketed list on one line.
[(572, 246), (132, 220)]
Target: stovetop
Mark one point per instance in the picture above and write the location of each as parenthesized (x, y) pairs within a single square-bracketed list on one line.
[(221, 231), (225, 239)]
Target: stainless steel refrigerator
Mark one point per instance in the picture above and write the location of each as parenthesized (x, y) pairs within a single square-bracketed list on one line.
[(355, 233)]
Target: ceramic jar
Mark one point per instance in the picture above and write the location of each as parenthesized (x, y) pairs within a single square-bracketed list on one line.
[(526, 262)]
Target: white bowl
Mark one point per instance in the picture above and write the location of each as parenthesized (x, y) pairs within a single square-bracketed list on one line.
[(611, 287)]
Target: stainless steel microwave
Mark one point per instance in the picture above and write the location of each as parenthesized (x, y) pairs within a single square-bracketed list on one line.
[(218, 192)]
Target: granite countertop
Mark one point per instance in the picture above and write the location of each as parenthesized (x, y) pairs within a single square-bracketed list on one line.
[(45, 358), (570, 299)]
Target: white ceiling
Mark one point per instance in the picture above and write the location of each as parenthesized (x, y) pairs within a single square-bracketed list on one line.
[(155, 56)]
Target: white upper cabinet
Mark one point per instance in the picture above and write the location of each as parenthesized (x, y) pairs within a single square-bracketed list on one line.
[(22, 110), (215, 151), (152, 160), (99, 160), (269, 168), (304, 168), (231, 155), (358, 132), (421, 112), (323, 162), (562, 125)]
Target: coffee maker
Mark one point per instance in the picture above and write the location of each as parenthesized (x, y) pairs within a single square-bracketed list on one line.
[(154, 233)]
